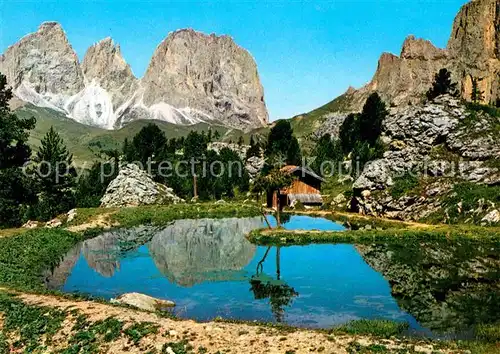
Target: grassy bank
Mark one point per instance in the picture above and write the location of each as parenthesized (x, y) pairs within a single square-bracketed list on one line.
[(283, 237), (161, 215), (26, 254), (43, 324)]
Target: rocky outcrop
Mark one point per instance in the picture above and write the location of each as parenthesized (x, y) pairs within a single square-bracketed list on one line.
[(241, 150), (43, 68), (143, 302), (134, 187), (404, 79), (207, 75), (413, 132), (254, 166), (331, 125), (191, 78), (192, 251), (444, 288)]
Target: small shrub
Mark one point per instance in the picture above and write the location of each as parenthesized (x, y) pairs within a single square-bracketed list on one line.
[(378, 328), (404, 185)]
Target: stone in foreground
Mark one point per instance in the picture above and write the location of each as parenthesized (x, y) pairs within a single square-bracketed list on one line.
[(135, 187)]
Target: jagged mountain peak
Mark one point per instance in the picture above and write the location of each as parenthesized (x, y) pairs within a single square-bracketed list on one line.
[(210, 75), (423, 49), (42, 67), (192, 77), (473, 52)]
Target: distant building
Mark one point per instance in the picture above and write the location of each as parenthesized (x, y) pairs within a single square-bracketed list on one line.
[(305, 189)]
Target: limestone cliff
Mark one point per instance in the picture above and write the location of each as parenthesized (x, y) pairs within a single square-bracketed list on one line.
[(43, 68), (474, 47), (207, 75), (105, 66), (192, 78)]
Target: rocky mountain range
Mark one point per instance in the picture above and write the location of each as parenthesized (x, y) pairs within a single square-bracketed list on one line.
[(473, 52), (192, 78)]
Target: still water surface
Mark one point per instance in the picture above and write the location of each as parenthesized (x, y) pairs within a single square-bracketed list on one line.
[(209, 269)]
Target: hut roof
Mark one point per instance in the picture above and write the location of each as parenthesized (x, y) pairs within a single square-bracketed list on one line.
[(306, 198), (305, 171)]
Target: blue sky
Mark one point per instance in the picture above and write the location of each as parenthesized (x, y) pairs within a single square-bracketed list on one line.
[(307, 52)]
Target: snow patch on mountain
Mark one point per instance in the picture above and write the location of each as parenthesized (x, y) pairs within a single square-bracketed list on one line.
[(27, 93)]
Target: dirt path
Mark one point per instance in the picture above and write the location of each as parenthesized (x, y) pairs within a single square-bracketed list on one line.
[(213, 336)]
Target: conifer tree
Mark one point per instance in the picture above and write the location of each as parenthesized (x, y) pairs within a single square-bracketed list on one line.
[(282, 143), (254, 149), (442, 85), (370, 120), (477, 96), (15, 191)]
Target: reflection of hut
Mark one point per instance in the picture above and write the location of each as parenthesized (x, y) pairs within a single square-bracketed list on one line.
[(305, 189)]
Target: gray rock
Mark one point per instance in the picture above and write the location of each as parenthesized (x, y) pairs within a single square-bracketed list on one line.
[(376, 175), (254, 165), (241, 150), (143, 302)]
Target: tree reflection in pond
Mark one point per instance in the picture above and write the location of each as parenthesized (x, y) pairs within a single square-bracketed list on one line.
[(280, 294), (447, 286)]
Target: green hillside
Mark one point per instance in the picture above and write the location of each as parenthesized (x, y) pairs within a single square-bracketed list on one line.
[(80, 138)]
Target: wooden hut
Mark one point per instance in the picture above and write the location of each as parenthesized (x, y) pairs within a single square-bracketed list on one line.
[(305, 189)]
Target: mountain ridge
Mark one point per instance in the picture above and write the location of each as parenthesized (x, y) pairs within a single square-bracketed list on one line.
[(472, 52), (216, 86)]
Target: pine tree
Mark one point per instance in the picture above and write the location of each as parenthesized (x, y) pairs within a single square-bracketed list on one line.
[(15, 191), (477, 96), (442, 85), (254, 149), (148, 144), (370, 120), (349, 132), (241, 141), (55, 176)]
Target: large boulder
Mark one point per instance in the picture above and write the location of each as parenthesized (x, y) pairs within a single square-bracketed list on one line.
[(143, 302), (134, 187)]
